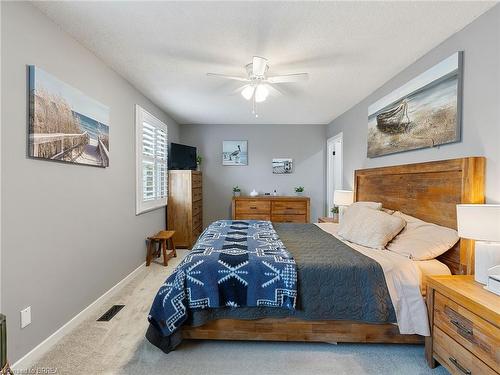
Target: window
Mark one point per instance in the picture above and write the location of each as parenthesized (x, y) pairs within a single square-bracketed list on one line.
[(151, 158)]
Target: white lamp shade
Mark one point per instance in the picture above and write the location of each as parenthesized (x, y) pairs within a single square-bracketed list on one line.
[(479, 221), (342, 197)]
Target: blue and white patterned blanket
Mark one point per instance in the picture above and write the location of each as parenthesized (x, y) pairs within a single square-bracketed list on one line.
[(234, 263)]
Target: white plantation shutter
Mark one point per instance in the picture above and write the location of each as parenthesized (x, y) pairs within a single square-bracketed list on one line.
[(152, 161)]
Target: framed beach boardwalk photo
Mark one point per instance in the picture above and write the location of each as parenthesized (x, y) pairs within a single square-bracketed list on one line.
[(64, 124)]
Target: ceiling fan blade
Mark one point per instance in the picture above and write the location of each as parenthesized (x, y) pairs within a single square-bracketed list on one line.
[(259, 66), (234, 78), (289, 78), (274, 91)]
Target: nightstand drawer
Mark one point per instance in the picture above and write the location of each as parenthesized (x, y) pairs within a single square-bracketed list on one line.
[(253, 207), (456, 358), (471, 331)]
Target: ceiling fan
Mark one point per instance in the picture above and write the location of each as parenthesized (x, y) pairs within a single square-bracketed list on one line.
[(258, 84)]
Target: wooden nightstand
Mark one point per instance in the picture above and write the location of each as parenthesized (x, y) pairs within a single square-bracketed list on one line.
[(465, 326), (325, 219)]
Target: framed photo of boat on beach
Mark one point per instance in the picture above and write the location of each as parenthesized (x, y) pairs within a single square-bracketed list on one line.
[(64, 124), (425, 112)]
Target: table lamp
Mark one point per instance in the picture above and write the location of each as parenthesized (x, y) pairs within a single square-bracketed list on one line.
[(342, 198), (481, 222)]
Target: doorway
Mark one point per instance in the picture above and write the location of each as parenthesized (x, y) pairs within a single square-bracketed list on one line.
[(334, 166)]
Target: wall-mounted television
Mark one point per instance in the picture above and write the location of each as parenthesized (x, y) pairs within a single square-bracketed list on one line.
[(181, 156)]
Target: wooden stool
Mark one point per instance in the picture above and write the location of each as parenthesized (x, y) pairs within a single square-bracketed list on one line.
[(162, 237), (6, 370)]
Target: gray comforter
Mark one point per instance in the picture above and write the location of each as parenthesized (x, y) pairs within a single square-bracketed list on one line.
[(335, 282)]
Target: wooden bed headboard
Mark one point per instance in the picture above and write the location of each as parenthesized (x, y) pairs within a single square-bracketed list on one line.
[(429, 191)]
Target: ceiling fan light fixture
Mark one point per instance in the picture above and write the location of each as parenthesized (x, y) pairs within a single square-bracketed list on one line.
[(261, 93), (248, 91)]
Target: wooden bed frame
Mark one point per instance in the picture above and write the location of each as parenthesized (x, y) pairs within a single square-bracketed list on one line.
[(429, 191)]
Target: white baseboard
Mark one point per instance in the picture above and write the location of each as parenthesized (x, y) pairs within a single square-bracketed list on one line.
[(37, 352)]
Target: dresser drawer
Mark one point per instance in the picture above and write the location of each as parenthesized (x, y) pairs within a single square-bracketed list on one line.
[(196, 180), (253, 217), (288, 218), (289, 207), (471, 331), (197, 207), (251, 207), (196, 220), (197, 194), (456, 358), (196, 233)]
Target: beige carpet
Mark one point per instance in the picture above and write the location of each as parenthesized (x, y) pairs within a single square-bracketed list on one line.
[(119, 347)]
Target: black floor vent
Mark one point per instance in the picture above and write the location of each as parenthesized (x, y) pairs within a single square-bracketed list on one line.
[(108, 315)]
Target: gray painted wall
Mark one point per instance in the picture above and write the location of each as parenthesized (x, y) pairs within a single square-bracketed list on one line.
[(69, 232), (480, 42), (305, 144)]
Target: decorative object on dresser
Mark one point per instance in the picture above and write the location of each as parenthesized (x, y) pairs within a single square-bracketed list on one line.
[(481, 222), (299, 190), (342, 198), (274, 208), (185, 204), (236, 191), (235, 153), (465, 326), (424, 112), (161, 238), (199, 161)]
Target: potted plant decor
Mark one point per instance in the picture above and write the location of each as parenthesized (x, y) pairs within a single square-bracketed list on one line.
[(335, 213), (299, 190), (199, 160), (236, 191)]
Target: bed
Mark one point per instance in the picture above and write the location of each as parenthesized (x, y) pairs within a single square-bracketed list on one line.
[(429, 191)]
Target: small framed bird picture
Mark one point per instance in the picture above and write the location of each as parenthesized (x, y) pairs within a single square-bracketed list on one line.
[(234, 152)]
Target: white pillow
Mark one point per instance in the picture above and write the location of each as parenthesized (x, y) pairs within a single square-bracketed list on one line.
[(372, 205), (369, 227), (421, 240)]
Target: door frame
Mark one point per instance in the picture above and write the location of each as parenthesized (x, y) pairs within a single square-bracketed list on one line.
[(330, 142)]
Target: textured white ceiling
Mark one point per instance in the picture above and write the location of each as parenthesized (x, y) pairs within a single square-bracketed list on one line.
[(349, 49)]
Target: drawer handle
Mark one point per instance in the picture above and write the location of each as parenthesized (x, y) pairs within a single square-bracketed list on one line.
[(461, 327), (460, 367), (253, 207)]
